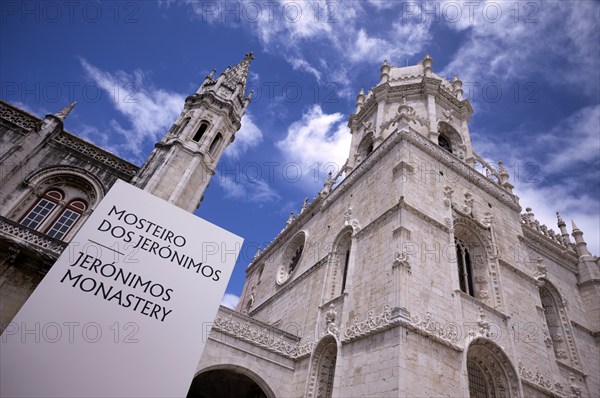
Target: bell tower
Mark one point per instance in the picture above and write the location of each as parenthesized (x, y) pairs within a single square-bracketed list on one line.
[(182, 163)]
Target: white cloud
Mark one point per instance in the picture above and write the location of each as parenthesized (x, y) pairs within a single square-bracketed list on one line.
[(230, 301), (303, 65), (571, 148), (525, 41), (247, 137), (317, 139), (149, 111), (573, 141), (251, 188), (298, 29)]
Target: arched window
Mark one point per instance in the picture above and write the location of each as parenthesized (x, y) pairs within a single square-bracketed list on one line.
[(465, 271), (444, 143), (201, 130), (291, 257), (67, 219), (489, 371), (183, 125), (215, 144), (260, 273), (42, 208), (473, 253), (365, 147), (340, 264), (557, 322), (477, 385)]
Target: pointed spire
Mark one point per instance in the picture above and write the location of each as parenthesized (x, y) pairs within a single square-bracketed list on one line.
[(559, 219), (563, 229), (580, 244), (62, 115), (360, 100), (385, 71), (427, 64), (457, 87), (239, 73)]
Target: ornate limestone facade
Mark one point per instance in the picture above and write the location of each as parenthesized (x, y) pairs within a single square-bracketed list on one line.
[(412, 273)]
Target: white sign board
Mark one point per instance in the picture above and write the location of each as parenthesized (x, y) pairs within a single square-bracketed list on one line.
[(125, 310)]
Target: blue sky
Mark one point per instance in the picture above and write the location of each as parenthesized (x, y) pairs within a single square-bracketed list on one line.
[(530, 70)]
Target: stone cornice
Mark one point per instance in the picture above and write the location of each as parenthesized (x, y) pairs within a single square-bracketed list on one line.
[(427, 86), (386, 320), (262, 324), (257, 333), (403, 204), (483, 305), (211, 98), (382, 217), (589, 282), (95, 153), (517, 271), (283, 289), (248, 351), (570, 368), (583, 328), (542, 389), (562, 256)]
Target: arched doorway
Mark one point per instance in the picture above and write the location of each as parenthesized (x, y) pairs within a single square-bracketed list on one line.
[(322, 369), (490, 372), (226, 383)]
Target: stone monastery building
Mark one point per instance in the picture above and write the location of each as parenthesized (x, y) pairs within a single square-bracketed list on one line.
[(415, 275)]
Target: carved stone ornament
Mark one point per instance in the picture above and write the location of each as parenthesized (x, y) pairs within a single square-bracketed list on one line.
[(540, 273), (484, 326), (405, 113), (348, 220), (369, 325), (401, 259), (448, 191), (330, 326), (539, 380), (260, 336)]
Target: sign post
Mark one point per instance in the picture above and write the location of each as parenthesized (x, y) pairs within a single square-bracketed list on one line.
[(125, 310)]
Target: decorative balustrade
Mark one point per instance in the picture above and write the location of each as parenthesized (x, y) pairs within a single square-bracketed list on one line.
[(486, 169), (529, 220), (20, 232), (22, 119)]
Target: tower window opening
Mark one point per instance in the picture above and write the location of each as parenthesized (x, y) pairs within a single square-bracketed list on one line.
[(465, 276), (201, 130), (183, 125), (215, 144), (444, 143), (345, 275)]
